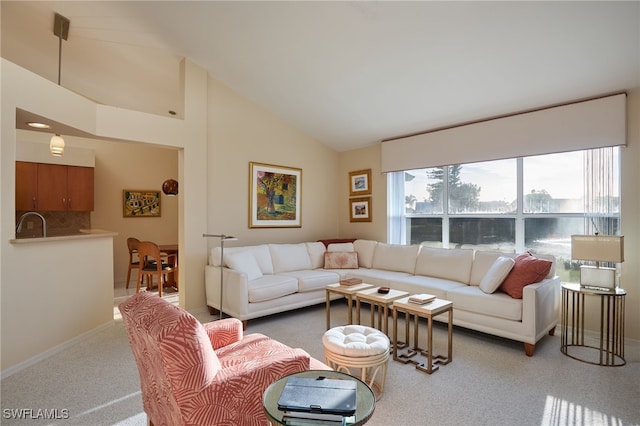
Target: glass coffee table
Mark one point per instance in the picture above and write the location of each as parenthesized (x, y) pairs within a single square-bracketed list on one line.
[(365, 399)]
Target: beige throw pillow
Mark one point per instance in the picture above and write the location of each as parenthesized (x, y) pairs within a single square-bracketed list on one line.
[(496, 274)]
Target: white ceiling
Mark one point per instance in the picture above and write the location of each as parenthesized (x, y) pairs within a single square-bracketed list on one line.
[(346, 73)]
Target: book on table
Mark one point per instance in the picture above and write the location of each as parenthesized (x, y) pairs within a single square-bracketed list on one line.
[(421, 299), (318, 395), (301, 418), (350, 281)]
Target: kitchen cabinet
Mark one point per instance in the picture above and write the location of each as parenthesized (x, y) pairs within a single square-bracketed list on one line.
[(58, 187), (26, 185), (80, 188)]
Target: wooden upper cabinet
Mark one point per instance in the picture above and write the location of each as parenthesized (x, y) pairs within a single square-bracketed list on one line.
[(26, 185), (52, 187), (80, 188), (56, 187)]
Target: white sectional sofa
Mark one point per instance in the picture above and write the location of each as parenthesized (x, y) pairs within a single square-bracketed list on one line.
[(271, 278)]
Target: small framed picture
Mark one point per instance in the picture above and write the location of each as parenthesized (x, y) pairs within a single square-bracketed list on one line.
[(360, 209), (136, 203), (360, 182)]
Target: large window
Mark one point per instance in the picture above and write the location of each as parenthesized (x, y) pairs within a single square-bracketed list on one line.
[(531, 203)]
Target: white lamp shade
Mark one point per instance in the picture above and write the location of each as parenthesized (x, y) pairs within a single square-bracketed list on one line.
[(56, 146), (600, 248)]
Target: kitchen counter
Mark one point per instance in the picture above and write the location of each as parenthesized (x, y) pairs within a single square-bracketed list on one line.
[(83, 234)]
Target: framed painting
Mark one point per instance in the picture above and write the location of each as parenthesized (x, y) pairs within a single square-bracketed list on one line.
[(360, 182), (360, 209), (136, 203), (274, 196)]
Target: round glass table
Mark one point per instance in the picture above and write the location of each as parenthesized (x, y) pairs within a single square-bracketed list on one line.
[(365, 399)]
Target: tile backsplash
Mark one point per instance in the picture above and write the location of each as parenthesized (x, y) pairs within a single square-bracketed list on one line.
[(58, 223)]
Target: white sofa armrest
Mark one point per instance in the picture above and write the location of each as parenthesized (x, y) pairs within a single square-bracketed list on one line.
[(235, 298), (540, 308)]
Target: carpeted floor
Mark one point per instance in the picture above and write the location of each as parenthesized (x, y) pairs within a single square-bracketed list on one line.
[(489, 382)]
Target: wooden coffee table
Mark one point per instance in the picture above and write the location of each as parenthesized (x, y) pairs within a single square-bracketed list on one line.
[(379, 305), (428, 311), (347, 292)]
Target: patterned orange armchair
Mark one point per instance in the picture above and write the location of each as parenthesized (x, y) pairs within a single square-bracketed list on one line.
[(203, 374)]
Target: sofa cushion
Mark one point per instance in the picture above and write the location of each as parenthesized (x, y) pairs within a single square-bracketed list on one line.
[(340, 247), (261, 253), (289, 257), (496, 274), (527, 269), (270, 287), (341, 260), (482, 261), (317, 279), (244, 261), (395, 257), (450, 264), (378, 277), (365, 249), (316, 254), (498, 305), (422, 284)]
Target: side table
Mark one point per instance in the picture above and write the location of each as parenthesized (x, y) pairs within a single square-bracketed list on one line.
[(347, 292), (365, 398), (379, 304), (428, 311), (610, 351)]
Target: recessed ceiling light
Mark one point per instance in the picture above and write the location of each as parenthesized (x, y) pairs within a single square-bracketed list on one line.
[(38, 125)]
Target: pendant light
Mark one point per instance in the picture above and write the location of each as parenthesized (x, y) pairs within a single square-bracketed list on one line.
[(60, 29), (170, 187)]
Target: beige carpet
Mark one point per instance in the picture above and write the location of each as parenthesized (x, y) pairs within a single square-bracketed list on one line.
[(489, 382)]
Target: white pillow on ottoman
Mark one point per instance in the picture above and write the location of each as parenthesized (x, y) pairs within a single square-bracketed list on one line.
[(244, 261), (496, 274)]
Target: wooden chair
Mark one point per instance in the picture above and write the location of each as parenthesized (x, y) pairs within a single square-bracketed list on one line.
[(134, 258), (152, 265)]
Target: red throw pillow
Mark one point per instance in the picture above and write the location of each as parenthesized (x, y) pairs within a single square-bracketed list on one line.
[(528, 269)]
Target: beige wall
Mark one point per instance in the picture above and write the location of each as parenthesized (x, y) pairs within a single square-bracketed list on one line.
[(361, 159), (241, 132), (122, 166), (630, 276)]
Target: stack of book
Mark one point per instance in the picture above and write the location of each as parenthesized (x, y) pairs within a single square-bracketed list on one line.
[(298, 418), (350, 281), (421, 299)]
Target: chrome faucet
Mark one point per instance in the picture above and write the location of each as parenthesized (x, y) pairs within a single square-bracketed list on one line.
[(44, 222)]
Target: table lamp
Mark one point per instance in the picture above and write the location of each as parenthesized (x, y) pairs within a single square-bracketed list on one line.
[(598, 248), (223, 238)]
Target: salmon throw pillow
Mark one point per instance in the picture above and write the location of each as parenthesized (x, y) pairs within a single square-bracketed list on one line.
[(341, 260), (526, 270)]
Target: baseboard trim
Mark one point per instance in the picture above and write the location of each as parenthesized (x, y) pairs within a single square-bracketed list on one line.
[(54, 350)]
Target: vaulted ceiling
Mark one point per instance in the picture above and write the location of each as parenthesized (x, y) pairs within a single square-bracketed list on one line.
[(346, 73)]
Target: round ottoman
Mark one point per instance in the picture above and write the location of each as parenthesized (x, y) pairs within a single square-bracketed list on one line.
[(358, 347)]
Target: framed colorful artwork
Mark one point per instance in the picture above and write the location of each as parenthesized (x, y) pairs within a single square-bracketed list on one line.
[(360, 182), (274, 196), (136, 203), (360, 209)]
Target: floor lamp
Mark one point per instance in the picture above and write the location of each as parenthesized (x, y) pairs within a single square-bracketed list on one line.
[(223, 238)]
